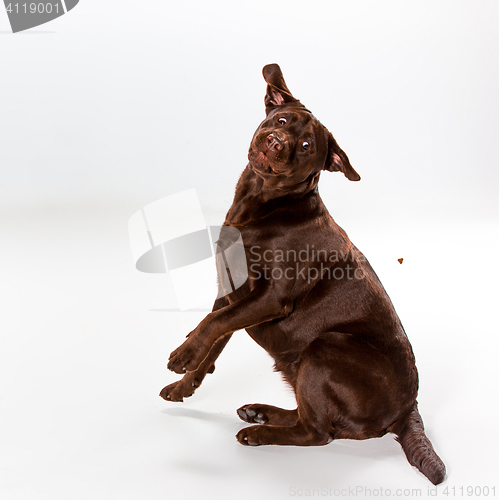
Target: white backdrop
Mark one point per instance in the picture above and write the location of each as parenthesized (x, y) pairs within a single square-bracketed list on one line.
[(118, 104)]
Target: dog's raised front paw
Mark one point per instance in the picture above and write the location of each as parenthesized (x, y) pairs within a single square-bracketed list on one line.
[(185, 387), (185, 358), (176, 391)]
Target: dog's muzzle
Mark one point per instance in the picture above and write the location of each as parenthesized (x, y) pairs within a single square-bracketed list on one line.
[(273, 143)]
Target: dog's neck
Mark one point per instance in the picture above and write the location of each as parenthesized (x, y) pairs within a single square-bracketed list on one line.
[(255, 200)]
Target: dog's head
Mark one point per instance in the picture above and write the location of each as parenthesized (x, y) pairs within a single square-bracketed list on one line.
[(291, 147)]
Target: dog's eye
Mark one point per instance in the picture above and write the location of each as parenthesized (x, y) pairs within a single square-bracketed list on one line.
[(282, 121), (305, 145)]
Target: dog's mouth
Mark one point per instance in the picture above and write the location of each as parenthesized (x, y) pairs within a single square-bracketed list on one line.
[(260, 159), (273, 170)]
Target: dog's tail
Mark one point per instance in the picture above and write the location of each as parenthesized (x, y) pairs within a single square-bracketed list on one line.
[(417, 447)]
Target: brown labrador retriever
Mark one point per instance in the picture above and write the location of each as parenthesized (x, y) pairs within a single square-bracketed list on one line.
[(311, 300)]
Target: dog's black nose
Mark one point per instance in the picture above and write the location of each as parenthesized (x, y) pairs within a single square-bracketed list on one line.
[(274, 143)]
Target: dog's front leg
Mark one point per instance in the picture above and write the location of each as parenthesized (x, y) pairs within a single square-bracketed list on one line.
[(187, 385), (260, 305)]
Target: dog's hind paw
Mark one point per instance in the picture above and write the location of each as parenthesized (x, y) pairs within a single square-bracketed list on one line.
[(252, 416), (248, 436), (267, 414)]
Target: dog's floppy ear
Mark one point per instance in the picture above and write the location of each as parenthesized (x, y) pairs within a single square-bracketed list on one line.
[(277, 90), (337, 160)]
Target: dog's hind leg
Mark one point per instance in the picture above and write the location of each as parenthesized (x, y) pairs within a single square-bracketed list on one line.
[(299, 434), (186, 386), (308, 425), (266, 414), (304, 431)]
